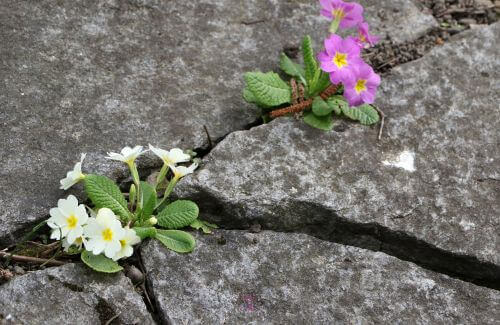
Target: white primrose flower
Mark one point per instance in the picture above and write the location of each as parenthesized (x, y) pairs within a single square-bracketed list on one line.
[(181, 171), (127, 155), (67, 219), (73, 176), (78, 243), (171, 157), (130, 238), (104, 233)]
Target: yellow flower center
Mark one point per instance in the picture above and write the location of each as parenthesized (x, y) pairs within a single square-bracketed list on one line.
[(72, 221), (338, 13), (340, 60), (107, 234), (360, 86), (123, 243), (362, 37), (78, 240)]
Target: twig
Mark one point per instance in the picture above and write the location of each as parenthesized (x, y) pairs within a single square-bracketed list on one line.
[(382, 119), (53, 256), (50, 248), (387, 63), (29, 259), (208, 136), (295, 94), (112, 319), (301, 92), (332, 89)]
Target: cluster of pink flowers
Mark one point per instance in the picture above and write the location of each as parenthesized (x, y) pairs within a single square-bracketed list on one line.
[(341, 57)]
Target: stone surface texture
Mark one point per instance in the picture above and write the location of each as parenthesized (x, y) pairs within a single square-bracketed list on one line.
[(397, 20), (71, 294), (433, 181), (282, 278), (94, 77)]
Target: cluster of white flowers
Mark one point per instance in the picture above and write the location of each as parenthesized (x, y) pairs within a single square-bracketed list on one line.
[(172, 158), (129, 155), (102, 233)]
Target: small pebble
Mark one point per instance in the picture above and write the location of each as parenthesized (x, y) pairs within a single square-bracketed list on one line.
[(134, 274), (255, 228), (467, 21), (19, 270)]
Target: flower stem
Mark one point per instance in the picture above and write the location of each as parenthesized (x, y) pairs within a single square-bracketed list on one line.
[(334, 26), (161, 175), (332, 89), (169, 190), (137, 182)]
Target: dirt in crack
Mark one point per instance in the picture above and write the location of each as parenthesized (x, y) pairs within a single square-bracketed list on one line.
[(453, 16)]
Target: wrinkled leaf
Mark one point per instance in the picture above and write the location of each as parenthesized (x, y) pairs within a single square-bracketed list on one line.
[(320, 107), (100, 263), (320, 84), (319, 122), (291, 68), (104, 193), (145, 232), (337, 103), (268, 88), (176, 240), (310, 63), (148, 200), (365, 114), (178, 214), (206, 227)]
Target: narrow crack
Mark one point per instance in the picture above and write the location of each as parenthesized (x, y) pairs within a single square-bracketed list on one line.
[(203, 151), (252, 22), (157, 314), (146, 290)]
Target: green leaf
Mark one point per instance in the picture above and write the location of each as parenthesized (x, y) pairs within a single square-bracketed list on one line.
[(319, 122), (291, 68), (148, 200), (320, 85), (248, 96), (268, 88), (145, 232), (320, 107), (176, 240), (100, 263), (205, 226), (337, 103), (73, 250), (310, 63), (104, 193), (365, 114), (178, 214)]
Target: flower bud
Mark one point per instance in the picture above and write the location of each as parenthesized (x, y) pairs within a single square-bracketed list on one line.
[(132, 194), (153, 221)]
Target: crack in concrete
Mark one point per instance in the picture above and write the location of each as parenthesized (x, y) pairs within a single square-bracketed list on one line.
[(329, 225)]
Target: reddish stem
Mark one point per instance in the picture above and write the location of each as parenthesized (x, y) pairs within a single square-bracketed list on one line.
[(332, 89)]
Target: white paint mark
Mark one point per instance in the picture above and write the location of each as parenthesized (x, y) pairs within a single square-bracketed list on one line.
[(466, 225), (405, 160)]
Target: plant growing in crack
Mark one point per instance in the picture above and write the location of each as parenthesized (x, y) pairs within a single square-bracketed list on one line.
[(107, 232), (336, 82)]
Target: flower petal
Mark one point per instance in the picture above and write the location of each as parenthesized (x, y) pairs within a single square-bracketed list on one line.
[(112, 248)]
